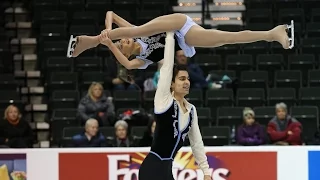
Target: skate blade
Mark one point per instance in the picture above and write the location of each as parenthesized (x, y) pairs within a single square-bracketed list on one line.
[(291, 39), (71, 46)]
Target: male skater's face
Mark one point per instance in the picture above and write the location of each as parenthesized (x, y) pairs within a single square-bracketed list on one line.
[(126, 46), (181, 83)]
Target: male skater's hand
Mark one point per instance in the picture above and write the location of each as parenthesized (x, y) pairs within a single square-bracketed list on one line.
[(207, 177)]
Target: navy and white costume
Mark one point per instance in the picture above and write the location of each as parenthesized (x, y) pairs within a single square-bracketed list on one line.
[(173, 125), (153, 46)]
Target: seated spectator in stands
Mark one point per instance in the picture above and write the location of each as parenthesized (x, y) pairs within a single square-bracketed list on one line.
[(122, 138), (216, 81), (151, 83), (119, 79), (197, 77), (91, 137), (96, 105), (123, 81), (156, 77), (284, 129), (250, 133), (14, 131), (147, 138)]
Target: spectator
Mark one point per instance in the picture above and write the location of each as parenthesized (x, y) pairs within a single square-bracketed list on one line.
[(151, 83), (91, 137), (155, 78), (250, 133), (14, 131), (122, 79), (122, 139), (284, 129), (96, 105), (197, 77), (148, 134)]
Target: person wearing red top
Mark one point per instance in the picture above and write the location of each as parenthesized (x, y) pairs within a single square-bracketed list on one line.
[(284, 129)]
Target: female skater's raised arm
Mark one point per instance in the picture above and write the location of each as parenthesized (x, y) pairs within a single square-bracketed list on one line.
[(197, 146), (163, 98), (112, 17)]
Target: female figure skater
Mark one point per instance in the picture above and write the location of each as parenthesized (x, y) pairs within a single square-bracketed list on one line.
[(176, 118), (188, 35)]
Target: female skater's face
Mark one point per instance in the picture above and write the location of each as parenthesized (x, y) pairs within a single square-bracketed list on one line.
[(181, 84), (126, 47)]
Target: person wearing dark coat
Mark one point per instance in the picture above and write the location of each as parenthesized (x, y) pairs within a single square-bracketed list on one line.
[(91, 137), (96, 105), (14, 131), (122, 138), (284, 129)]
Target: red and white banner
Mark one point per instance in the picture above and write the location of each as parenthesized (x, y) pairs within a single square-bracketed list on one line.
[(226, 163), (125, 166)]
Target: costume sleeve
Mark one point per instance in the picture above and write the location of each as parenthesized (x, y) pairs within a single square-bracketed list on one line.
[(163, 97), (197, 145)]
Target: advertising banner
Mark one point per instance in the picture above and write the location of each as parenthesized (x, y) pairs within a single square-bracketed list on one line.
[(125, 165), (13, 167), (226, 163), (314, 164)]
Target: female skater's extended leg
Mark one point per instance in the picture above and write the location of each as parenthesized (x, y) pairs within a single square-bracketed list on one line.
[(199, 37), (158, 25)]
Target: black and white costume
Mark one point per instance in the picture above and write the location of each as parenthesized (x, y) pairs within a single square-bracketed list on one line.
[(173, 125), (153, 46)]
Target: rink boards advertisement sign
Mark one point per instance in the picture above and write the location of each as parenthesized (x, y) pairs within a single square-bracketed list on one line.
[(226, 163), (313, 164), (125, 166)]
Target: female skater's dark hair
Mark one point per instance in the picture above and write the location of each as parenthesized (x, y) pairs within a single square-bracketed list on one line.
[(176, 69)]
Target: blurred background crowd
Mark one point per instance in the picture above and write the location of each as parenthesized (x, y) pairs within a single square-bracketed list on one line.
[(254, 94)]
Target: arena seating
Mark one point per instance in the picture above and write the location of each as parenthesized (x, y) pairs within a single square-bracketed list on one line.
[(267, 73)]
